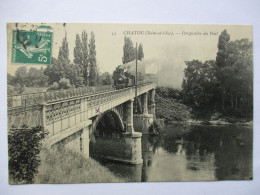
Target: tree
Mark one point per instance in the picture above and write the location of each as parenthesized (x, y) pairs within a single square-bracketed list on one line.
[(36, 78), (20, 75), (92, 61), (10, 90), (116, 73), (55, 71), (84, 38), (106, 78), (140, 52), (97, 75), (24, 148), (70, 71), (128, 51), (62, 68), (10, 79), (221, 62), (199, 84), (231, 75), (64, 52), (78, 55), (72, 74), (191, 86), (33, 78), (81, 55), (239, 84), (15, 89)]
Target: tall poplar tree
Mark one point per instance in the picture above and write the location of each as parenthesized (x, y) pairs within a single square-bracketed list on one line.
[(92, 61), (59, 67), (62, 68), (78, 55), (140, 52), (84, 38), (64, 51), (221, 63), (81, 54), (63, 64), (128, 51)]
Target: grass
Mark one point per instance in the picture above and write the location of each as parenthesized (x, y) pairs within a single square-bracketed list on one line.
[(65, 166)]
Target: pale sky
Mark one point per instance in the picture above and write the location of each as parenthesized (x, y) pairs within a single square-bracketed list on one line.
[(164, 45)]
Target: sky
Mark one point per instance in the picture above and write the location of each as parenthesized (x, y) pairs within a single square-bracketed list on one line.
[(166, 46)]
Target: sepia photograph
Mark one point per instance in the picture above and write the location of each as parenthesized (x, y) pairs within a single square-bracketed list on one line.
[(116, 103)]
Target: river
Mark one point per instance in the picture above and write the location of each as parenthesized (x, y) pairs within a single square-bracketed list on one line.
[(192, 153)]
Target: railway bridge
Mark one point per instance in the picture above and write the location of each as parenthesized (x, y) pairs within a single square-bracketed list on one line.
[(97, 121)]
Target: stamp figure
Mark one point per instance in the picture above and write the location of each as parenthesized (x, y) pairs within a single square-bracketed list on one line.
[(33, 47)]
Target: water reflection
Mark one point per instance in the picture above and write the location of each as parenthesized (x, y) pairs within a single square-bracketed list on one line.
[(192, 153)]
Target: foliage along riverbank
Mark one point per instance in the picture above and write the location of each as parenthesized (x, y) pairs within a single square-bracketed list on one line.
[(170, 108), (221, 88), (169, 105)]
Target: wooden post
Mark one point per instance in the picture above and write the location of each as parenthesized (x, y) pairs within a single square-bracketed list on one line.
[(136, 80)]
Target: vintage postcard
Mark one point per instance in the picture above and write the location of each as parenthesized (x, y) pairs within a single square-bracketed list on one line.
[(99, 103)]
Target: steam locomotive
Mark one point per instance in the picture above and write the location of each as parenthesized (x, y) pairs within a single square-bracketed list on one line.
[(123, 79)]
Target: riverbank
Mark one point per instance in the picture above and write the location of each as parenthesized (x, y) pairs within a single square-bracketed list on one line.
[(65, 166), (171, 109), (219, 122)]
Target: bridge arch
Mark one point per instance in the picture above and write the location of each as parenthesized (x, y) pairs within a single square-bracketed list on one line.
[(108, 119)]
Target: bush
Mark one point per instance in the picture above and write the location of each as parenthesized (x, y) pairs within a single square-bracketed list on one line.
[(157, 127), (64, 83), (24, 148), (54, 86), (171, 109)]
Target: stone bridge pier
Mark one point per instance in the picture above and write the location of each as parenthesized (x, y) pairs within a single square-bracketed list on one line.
[(144, 119)]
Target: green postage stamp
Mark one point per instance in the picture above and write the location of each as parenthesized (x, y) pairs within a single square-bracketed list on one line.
[(32, 47)]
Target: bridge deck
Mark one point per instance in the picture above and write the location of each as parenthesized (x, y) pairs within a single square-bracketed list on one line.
[(65, 108)]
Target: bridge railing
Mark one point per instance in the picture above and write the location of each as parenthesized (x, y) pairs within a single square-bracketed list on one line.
[(49, 96), (55, 95)]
